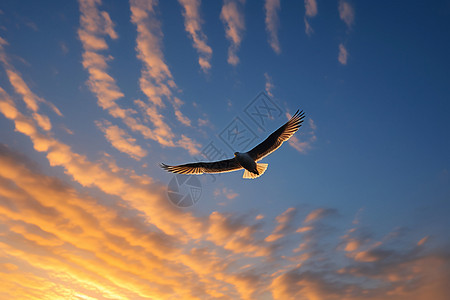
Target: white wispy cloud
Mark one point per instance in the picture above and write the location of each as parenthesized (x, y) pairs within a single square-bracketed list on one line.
[(269, 86), (310, 12), (64, 47), (228, 193), (233, 20), (193, 25), (346, 13), (272, 23), (343, 54)]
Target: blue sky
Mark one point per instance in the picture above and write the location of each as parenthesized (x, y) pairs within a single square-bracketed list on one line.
[(95, 94)]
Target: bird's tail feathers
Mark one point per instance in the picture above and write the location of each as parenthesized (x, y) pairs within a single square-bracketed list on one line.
[(261, 169)]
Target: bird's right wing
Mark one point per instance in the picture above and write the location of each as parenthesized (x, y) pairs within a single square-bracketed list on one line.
[(276, 139), (198, 168)]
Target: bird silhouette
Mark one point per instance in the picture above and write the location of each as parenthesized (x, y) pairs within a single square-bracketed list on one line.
[(247, 160)]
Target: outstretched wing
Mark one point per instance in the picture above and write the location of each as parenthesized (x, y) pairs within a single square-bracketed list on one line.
[(274, 141), (198, 168)]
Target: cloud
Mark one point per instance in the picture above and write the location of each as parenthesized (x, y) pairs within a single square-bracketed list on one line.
[(58, 241), (269, 86), (375, 272), (90, 232), (189, 144), (233, 20), (343, 54), (228, 193), (284, 225), (308, 29), (303, 146), (156, 79), (296, 284), (272, 22), (64, 47), (121, 140), (95, 249), (180, 116), (234, 234), (422, 241), (310, 12), (133, 189), (192, 24), (30, 99), (54, 234), (318, 214), (204, 122), (3, 42), (346, 13), (310, 8), (155, 82)]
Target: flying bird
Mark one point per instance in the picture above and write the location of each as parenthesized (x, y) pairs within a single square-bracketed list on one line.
[(247, 160)]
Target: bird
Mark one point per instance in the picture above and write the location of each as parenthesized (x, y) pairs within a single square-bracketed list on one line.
[(247, 160)]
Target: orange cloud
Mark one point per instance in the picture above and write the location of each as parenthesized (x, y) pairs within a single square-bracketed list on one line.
[(156, 80), (304, 229), (55, 240), (272, 22), (317, 214), (233, 20), (120, 140), (60, 241), (192, 24), (30, 99), (228, 193), (283, 226), (311, 137), (422, 241)]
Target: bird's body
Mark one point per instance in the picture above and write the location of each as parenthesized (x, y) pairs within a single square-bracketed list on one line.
[(252, 168), (248, 160)]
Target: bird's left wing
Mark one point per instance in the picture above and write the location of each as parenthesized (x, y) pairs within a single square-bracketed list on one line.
[(276, 139), (198, 168)]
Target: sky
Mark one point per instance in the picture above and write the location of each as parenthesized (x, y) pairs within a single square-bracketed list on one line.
[(95, 94)]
